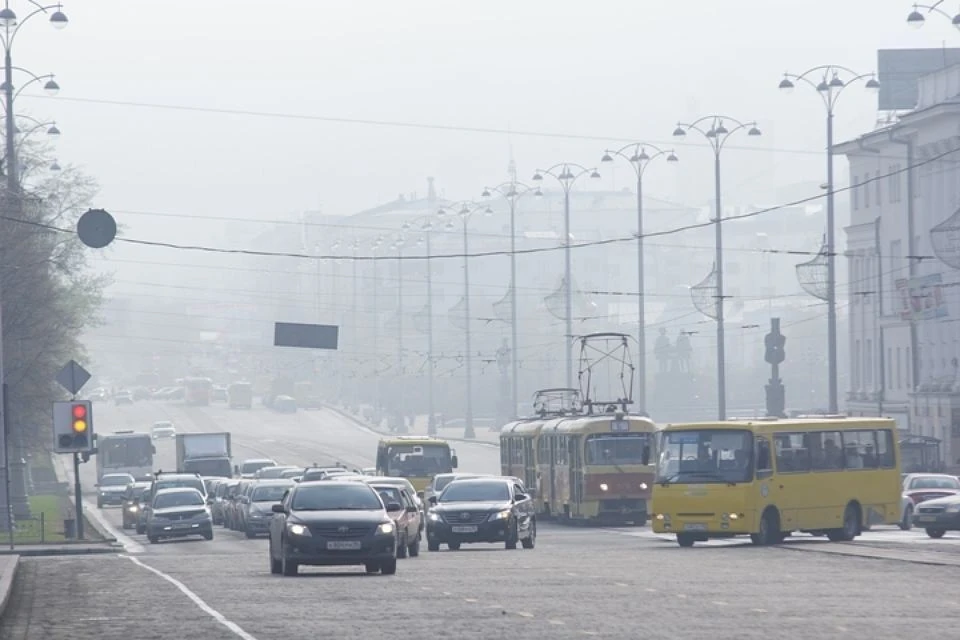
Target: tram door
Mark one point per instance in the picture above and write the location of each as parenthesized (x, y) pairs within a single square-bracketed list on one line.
[(576, 475)]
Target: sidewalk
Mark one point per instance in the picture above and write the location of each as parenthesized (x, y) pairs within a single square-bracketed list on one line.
[(484, 435), (8, 571), (91, 525)]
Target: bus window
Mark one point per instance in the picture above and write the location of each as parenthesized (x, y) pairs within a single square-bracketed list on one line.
[(763, 458), (885, 449), (825, 450)]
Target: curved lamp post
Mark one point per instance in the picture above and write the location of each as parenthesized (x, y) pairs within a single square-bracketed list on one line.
[(826, 81), (466, 210), (512, 192), (717, 135), (567, 174), (916, 19), (638, 157)]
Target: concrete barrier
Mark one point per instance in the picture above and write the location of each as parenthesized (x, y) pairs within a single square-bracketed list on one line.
[(8, 571)]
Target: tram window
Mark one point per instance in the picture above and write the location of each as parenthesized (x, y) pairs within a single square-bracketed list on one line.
[(616, 449)]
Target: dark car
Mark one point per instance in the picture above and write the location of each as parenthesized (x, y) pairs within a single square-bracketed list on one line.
[(938, 515), (131, 503), (258, 510), (177, 513), (332, 523), (481, 510), (112, 487)]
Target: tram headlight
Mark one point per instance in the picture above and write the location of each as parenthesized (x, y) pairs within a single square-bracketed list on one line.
[(603, 486), (643, 486)]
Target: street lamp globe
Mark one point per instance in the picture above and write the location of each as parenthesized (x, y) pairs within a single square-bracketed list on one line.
[(51, 87), (595, 174), (679, 132), (754, 131), (449, 226), (58, 19), (872, 84), (956, 21), (53, 130), (8, 18), (485, 194), (915, 19), (606, 158), (672, 157), (55, 166), (786, 85)]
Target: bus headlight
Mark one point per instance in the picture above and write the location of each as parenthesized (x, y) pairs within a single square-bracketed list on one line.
[(603, 486)]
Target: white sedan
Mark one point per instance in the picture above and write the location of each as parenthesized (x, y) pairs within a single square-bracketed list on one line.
[(163, 429)]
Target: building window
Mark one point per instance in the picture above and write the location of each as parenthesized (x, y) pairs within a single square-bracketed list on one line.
[(855, 193), (868, 363), (895, 181), (899, 378), (866, 190)]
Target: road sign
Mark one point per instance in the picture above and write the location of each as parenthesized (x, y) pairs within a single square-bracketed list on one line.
[(96, 228), (305, 336), (72, 377)]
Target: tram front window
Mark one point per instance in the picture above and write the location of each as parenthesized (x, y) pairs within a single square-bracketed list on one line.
[(618, 449)]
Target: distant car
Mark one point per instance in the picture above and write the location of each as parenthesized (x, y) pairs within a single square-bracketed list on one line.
[(284, 404), (176, 513), (332, 524), (921, 487), (250, 467), (440, 482), (259, 509), (481, 510), (291, 474), (403, 508), (218, 394), (163, 429), (112, 487), (275, 472), (122, 397), (938, 515)]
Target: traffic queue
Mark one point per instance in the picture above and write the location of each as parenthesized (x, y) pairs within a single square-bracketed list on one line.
[(332, 516)]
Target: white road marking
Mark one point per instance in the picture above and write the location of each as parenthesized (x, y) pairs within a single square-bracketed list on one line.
[(759, 610), (129, 544), (524, 614), (197, 600), (719, 603), (621, 584), (556, 622), (469, 599)]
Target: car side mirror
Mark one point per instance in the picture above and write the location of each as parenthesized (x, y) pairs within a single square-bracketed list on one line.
[(520, 497), (412, 509), (278, 508), (454, 462), (210, 501), (394, 506), (433, 501)]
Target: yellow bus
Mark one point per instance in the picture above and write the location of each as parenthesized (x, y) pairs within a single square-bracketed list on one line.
[(769, 478), (416, 458), (596, 468)]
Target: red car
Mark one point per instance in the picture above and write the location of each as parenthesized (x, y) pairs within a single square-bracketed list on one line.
[(920, 487)]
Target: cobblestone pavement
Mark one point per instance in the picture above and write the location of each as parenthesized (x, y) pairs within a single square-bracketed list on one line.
[(577, 583)]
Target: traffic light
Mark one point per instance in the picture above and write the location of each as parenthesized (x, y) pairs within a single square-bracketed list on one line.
[(73, 426)]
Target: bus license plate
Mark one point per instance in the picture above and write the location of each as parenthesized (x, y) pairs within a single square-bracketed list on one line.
[(343, 545), (694, 527), (470, 529)]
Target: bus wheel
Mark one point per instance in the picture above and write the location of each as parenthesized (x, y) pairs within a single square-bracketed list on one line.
[(686, 539), (851, 525), (769, 529)]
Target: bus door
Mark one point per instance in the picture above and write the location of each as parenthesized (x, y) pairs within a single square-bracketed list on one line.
[(576, 475), (767, 486), (530, 468)]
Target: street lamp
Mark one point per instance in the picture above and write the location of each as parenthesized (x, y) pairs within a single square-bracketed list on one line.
[(916, 19), (717, 135), (636, 154), (465, 210), (398, 389), (10, 26), (826, 80), (568, 175), (512, 191)]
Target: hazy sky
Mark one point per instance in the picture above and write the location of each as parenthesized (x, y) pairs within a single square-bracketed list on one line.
[(610, 69)]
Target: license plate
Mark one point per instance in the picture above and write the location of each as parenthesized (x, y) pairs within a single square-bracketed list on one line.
[(694, 527), (923, 518), (343, 545), (181, 526), (470, 529)]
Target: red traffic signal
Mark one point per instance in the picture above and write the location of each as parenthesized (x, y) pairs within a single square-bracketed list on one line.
[(79, 411)]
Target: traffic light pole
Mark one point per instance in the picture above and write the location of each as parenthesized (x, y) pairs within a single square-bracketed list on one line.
[(77, 495)]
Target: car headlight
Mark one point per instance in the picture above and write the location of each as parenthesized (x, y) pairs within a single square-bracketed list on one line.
[(132, 508), (500, 515), (432, 516), (385, 528), (953, 508), (298, 530)]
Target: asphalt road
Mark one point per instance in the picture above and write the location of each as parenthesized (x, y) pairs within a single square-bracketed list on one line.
[(578, 582)]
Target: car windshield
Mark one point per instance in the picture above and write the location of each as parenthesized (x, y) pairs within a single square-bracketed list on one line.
[(269, 494), (705, 456), (291, 473), (389, 494), (935, 482), (417, 461), (468, 491), (178, 499), (353, 496), (616, 448), (253, 466), (118, 480)]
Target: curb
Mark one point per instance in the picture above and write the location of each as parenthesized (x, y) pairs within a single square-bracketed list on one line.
[(37, 553), (6, 583), (874, 556), (355, 420), (60, 469)]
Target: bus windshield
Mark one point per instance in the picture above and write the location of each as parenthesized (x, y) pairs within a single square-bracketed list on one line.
[(617, 448), (126, 452), (705, 456), (418, 460)]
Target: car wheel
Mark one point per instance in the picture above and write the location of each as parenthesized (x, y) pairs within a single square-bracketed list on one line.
[(372, 567), (276, 566), (511, 541), (454, 546), (208, 535), (140, 530), (531, 540), (432, 546), (402, 547), (936, 533), (287, 567), (414, 549), (153, 539), (99, 504), (388, 567), (250, 534), (907, 522)]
